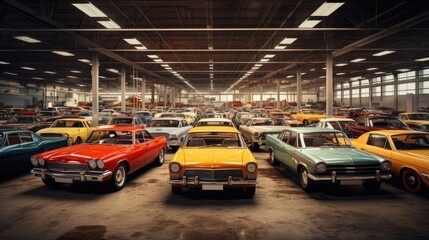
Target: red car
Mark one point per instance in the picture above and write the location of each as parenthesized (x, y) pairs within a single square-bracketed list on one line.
[(108, 155), (365, 124)]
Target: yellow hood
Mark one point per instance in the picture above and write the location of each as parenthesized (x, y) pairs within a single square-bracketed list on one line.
[(215, 158)]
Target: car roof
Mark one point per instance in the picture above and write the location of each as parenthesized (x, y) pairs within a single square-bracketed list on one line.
[(14, 130), (214, 120), (337, 119), (310, 129), (396, 132), (168, 118), (214, 129), (73, 119), (119, 128)]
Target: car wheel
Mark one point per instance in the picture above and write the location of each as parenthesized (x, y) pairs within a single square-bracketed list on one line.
[(411, 181), (372, 185), (78, 141), (306, 183), (255, 146), (273, 159), (176, 190), (161, 157), (250, 191), (119, 178), (305, 122), (49, 181)]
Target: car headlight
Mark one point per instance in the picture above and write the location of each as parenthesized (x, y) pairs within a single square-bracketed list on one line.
[(175, 167), (385, 166), (256, 134), (66, 135), (91, 163), (320, 167), (41, 161), (424, 127), (34, 161), (173, 135), (251, 167), (100, 163)]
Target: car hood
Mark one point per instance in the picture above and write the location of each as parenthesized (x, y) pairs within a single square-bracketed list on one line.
[(16, 125), (58, 130), (82, 152), (269, 128), (214, 158), (343, 156), (162, 129)]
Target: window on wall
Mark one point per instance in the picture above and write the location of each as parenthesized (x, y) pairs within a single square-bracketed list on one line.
[(388, 90), (388, 78), (338, 86), (212, 97), (376, 81), (364, 92), (364, 82), (405, 88), (424, 72), (226, 98), (355, 93), (355, 84), (406, 75), (376, 91), (337, 95), (346, 85), (346, 94), (424, 87), (256, 98)]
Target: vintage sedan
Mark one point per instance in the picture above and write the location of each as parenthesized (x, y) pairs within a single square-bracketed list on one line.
[(365, 124), (255, 131), (17, 146), (24, 122), (341, 124), (408, 151), (125, 120), (77, 129), (326, 155), (213, 158), (286, 117), (214, 122), (109, 155), (416, 120), (308, 116), (173, 129)]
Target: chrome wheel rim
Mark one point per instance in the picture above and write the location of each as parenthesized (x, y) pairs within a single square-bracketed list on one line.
[(272, 157), (161, 156), (412, 181), (304, 178), (120, 176)]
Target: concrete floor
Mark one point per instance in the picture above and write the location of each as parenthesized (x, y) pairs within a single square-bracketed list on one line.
[(146, 209)]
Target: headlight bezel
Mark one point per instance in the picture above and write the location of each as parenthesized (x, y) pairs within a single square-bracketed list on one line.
[(251, 167), (34, 161), (92, 164), (320, 167), (257, 134), (175, 167), (100, 164), (385, 166), (41, 161)]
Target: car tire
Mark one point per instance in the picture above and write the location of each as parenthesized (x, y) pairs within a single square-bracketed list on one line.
[(306, 183), (250, 191), (49, 181), (255, 146), (372, 185), (176, 190), (273, 159), (119, 177), (160, 158), (305, 122), (78, 140), (411, 181)]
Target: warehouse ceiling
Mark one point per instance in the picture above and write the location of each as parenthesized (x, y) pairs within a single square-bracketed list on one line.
[(210, 45)]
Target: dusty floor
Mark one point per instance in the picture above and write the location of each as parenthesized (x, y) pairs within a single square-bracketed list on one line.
[(146, 209)]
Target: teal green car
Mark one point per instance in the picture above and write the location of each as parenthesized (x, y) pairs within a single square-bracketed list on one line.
[(326, 155)]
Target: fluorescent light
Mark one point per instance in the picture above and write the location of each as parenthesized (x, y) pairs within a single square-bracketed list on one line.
[(326, 9), (370, 69), (101, 76), (269, 56), (288, 40), (258, 65), (280, 47), (158, 60), (112, 70), (211, 68), (152, 56), (312, 70), (382, 53), (4, 63), (290, 76), (422, 59), (358, 60), (50, 72), (71, 76), (140, 47), (339, 74), (27, 39), (255, 68), (403, 70), (303, 73), (264, 60), (309, 23), (75, 71), (168, 68), (10, 73), (132, 41), (341, 64), (37, 78), (84, 60), (379, 72), (63, 53), (109, 24), (322, 77), (28, 68), (81, 85), (89, 9), (165, 65)]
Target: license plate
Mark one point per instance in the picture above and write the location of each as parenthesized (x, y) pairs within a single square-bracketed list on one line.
[(351, 182), (213, 187), (64, 180)]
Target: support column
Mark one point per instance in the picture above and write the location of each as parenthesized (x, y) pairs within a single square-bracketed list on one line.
[(370, 91), (395, 91), (329, 85), (165, 96), (298, 87), (350, 94), (123, 88), (95, 83), (278, 93), (417, 95), (260, 100), (152, 101), (143, 93), (173, 97)]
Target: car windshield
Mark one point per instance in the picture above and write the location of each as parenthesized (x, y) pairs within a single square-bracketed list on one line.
[(280, 122), (309, 111), (117, 121), (411, 141), (246, 116), (262, 122), (172, 115), (85, 114), (111, 137), (340, 125), (419, 116), (387, 122), (214, 139), (21, 120), (164, 123), (214, 123), (324, 139), (67, 124)]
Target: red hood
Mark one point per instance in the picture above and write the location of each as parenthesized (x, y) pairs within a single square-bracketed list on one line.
[(82, 152)]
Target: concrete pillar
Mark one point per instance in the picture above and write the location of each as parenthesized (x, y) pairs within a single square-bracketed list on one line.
[(329, 85), (123, 88), (395, 91), (278, 93), (165, 96), (260, 100), (152, 92), (143, 93), (95, 84), (298, 87), (370, 91)]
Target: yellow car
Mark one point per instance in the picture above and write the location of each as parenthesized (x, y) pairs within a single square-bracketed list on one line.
[(213, 158), (408, 151), (416, 120), (308, 116), (76, 129)]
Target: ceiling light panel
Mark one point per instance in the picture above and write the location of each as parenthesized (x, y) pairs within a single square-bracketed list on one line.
[(422, 59), (28, 68), (63, 53), (27, 39), (341, 64), (309, 23), (371, 69), (89, 9), (140, 47), (152, 56), (109, 24), (358, 60), (4, 63), (84, 60), (327, 9), (10, 73), (382, 53), (50, 72), (288, 40), (132, 41)]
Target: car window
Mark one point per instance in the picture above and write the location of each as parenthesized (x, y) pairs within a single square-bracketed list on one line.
[(147, 136), (214, 139), (377, 140), (12, 139), (361, 122), (286, 136), (26, 137), (292, 139)]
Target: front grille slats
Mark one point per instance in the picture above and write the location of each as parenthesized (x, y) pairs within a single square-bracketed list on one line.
[(352, 169), (160, 134), (214, 175), (51, 135), (64, 167)]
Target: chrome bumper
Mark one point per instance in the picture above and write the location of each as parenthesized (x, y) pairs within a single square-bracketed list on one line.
[(424, 175), (174, 143), (334, 177), (89, 176), (195, 182)]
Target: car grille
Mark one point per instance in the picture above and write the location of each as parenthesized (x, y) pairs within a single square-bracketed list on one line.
[(264, 135), (352, 169), (214, 175), (64, 167), (159, 134), (51, 135)]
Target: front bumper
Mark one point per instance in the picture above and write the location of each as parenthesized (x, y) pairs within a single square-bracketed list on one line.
[(174, 143), (87, 176), (334, 178), (195, 182)]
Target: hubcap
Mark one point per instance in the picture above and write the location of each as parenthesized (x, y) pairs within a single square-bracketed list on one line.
[(161, 156), (272, 157), (304, 178), (120, 176), (412, 180)]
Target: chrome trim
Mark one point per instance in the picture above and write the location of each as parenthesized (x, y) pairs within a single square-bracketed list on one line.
[(185, 182), (82, 176), (334, 177), (424, 175)]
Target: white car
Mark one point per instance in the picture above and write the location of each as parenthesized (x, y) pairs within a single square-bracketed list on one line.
[(215, 122), (341, 124)]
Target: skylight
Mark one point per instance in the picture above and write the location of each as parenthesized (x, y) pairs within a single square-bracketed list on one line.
[(309, 23), (132, 41)]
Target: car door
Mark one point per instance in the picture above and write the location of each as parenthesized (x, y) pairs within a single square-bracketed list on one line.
[(13, 156), (288, 148), (152, 146), (359, 127), (244, 130)]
